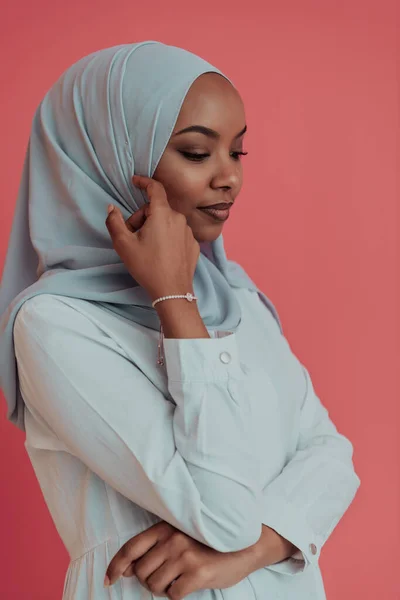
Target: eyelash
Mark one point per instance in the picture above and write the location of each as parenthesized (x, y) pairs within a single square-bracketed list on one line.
[(199, 157)]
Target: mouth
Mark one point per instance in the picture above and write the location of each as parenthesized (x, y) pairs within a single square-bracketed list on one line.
[(216, 214)]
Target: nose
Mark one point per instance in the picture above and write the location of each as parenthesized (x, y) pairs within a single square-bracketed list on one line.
[(227, 175)]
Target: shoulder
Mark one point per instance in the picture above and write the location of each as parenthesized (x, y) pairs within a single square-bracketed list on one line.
[(47, 316), (41, 308), (59, 326)]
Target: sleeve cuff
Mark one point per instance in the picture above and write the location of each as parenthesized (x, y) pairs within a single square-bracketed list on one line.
[(288, 521), (202, 359), (298, 555)]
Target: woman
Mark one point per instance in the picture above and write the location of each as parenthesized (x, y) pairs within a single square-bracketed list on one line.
[(177, 440)]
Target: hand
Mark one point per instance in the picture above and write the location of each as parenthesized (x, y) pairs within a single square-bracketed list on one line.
[(156, 244), (162, 554)]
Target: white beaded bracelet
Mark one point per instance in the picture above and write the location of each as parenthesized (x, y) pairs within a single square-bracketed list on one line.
[(189, 297)]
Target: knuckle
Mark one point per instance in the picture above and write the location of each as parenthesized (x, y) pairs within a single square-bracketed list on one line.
[(164, 525), (178, 535), (166, 531), (154, 587), (179, 539), (175, 214), (203, 572), (139, 573), (190, 557)]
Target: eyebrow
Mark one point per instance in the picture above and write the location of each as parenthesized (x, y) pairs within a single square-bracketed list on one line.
[(207, 131)]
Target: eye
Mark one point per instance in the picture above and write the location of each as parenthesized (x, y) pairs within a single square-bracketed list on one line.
[(237, 154), (193, 156), (199, 157)]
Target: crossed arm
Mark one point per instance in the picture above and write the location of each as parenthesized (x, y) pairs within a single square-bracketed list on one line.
[(95, 399)]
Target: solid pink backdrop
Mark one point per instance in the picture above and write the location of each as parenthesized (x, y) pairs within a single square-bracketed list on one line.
[(315, 226)]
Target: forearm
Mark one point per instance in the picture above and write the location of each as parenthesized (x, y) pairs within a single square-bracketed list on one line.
[(181, 319), (271, 548)]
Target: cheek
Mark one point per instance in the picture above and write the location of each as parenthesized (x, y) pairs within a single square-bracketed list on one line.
[(191, 181), (185, 184)]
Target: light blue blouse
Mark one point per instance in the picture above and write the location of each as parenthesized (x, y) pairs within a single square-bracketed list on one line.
[(227, 435)]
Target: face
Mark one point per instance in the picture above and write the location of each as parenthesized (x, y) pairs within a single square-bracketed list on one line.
[(215, 174)]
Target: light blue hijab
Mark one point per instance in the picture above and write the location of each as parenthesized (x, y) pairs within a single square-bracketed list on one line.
[(109, 115)]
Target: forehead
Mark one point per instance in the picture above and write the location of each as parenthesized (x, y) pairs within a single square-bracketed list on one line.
[(214, 102)]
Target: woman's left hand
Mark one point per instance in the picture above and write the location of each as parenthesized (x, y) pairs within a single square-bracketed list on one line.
[(162, 554)]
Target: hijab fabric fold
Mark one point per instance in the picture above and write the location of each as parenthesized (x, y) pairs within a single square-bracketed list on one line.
[(109, 116)]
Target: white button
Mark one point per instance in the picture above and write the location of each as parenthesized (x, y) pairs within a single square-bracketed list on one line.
[(225, 357), (313, 548)]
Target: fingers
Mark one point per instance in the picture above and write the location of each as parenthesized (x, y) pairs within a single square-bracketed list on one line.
[(157, 197), (183, 586), (154, 189), (131, 551), (162, 576), (115, 221), (130, 571), (117, 227), (138, 219)]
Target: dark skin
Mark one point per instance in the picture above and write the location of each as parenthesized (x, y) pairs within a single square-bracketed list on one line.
[(162, 553), (214, 103)]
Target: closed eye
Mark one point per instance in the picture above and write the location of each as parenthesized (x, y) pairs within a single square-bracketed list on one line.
[(199, 157)]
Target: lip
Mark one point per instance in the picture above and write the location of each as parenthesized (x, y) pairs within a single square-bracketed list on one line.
[(215, 214), (219, 206)]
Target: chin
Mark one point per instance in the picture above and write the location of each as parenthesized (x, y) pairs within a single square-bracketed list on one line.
[(206, 236)]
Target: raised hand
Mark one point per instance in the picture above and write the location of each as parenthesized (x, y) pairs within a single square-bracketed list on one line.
[(156, 244)]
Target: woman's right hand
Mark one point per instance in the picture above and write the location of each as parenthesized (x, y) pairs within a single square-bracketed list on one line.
[(156, 244)]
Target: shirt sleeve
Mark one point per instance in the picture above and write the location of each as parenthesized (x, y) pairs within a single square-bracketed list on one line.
[(188, 461), (315, 488)]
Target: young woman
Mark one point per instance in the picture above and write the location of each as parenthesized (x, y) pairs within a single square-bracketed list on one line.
[(179, 444)]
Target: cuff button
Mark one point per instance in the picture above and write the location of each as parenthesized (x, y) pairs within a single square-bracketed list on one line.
[(225, 357), (313, 548)]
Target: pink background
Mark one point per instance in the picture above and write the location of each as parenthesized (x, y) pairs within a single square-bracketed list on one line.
[(315, 226)]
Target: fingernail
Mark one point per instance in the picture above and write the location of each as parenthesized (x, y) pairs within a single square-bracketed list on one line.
[(106, 581), (110, 208)]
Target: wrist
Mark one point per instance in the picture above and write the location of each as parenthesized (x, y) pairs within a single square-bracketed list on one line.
[(171, 290), (271, 548), (181, 319)]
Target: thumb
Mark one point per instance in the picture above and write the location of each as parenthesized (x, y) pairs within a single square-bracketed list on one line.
[(115, 222)]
